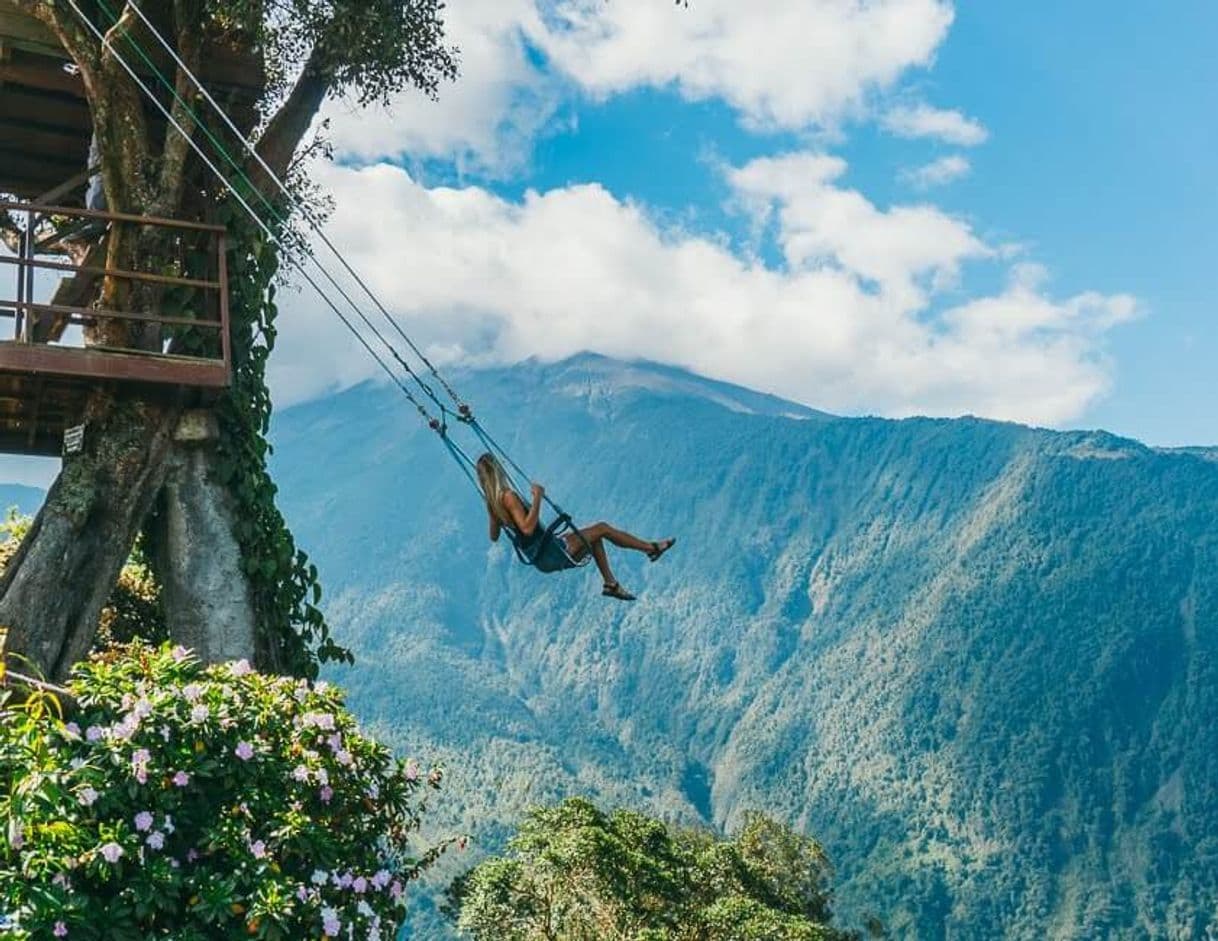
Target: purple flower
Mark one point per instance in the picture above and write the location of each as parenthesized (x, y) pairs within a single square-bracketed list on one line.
[(74, 730), (60, 930), (121, 731), (258, 849), (192, 855), (179, 653), (329, 921), (359, 886), (143, 821), (300, 773), (396, 890), (94, 732), (156, 840), (380, 879), (244, 751), (325, 794), (16, 834), (112, 852), (139, 764), (343, 757), (142, 709), (241, 668), (303, 894), (181, 779), (87, 796)]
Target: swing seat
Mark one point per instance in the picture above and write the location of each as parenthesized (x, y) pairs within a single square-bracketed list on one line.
[(546, 550)]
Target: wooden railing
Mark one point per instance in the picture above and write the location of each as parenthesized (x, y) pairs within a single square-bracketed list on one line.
[(182, 334)]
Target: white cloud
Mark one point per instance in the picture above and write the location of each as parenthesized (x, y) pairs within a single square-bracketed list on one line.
[(779, 63), (855, 320), (791, 64), (924, 121), (938, 172), (820, 224), (486, 120)]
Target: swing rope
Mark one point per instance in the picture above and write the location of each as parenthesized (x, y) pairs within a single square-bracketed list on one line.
[(440, 425)]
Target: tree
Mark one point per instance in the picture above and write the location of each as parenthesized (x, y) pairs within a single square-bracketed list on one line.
[(575, 873), (200, 803), (233, 579)]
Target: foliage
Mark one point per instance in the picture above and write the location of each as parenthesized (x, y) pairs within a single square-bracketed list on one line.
[(284, 584), (575, 873), (134, 607), (201, 803)]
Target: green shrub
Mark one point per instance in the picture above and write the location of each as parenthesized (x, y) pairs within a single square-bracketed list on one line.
[(191, 802), (576, 873)]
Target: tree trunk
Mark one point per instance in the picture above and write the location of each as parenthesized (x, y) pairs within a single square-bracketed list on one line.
[(197, 560), (56, 584)]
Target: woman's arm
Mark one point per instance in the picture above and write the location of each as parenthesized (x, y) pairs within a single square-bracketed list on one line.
[(525, 522)]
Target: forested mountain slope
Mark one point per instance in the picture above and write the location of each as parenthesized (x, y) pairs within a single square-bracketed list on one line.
[(976, 660)]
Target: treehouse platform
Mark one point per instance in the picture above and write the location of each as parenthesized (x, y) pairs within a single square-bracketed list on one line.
[(68, 338)]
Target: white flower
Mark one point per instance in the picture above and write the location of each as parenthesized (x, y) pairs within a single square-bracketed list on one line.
[(112, 852), (192, 691), (319, 877), (241, 668), (87, 796), (300, 773), (156, 840), (198, 714), (364, 909)]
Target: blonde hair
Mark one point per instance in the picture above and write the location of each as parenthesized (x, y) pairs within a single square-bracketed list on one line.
[(494, 483)]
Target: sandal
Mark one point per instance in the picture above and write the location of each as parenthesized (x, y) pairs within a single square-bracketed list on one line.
[(659, 548), (617, 591)]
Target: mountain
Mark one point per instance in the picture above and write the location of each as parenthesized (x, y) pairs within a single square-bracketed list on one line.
[(978, 661), (25, 500)]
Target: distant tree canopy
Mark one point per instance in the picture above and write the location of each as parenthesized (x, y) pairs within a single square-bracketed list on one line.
[(576, 873)]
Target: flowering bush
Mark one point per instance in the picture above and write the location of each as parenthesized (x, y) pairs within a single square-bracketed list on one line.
[(187, 802)]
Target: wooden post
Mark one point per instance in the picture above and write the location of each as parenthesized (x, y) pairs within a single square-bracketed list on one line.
[(225, 338)]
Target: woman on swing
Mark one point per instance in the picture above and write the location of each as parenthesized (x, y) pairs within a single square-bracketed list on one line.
[(505, 508)]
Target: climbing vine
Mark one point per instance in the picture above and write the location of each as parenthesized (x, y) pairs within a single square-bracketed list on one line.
[(294, 637)]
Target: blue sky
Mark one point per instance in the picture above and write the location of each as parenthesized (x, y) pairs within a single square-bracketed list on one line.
[(898, 207), (1101, 155), (1032, 246)]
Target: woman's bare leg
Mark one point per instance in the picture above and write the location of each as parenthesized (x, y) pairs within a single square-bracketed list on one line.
[(620, 538), (576, 546)]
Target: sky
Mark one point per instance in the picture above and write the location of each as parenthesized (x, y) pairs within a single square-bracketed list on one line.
[(888, 207)]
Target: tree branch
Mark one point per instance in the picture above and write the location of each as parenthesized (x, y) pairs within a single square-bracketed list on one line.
[(291, 122), (177, 147)]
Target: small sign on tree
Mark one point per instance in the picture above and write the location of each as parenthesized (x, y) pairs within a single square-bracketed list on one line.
[(74, 439)]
